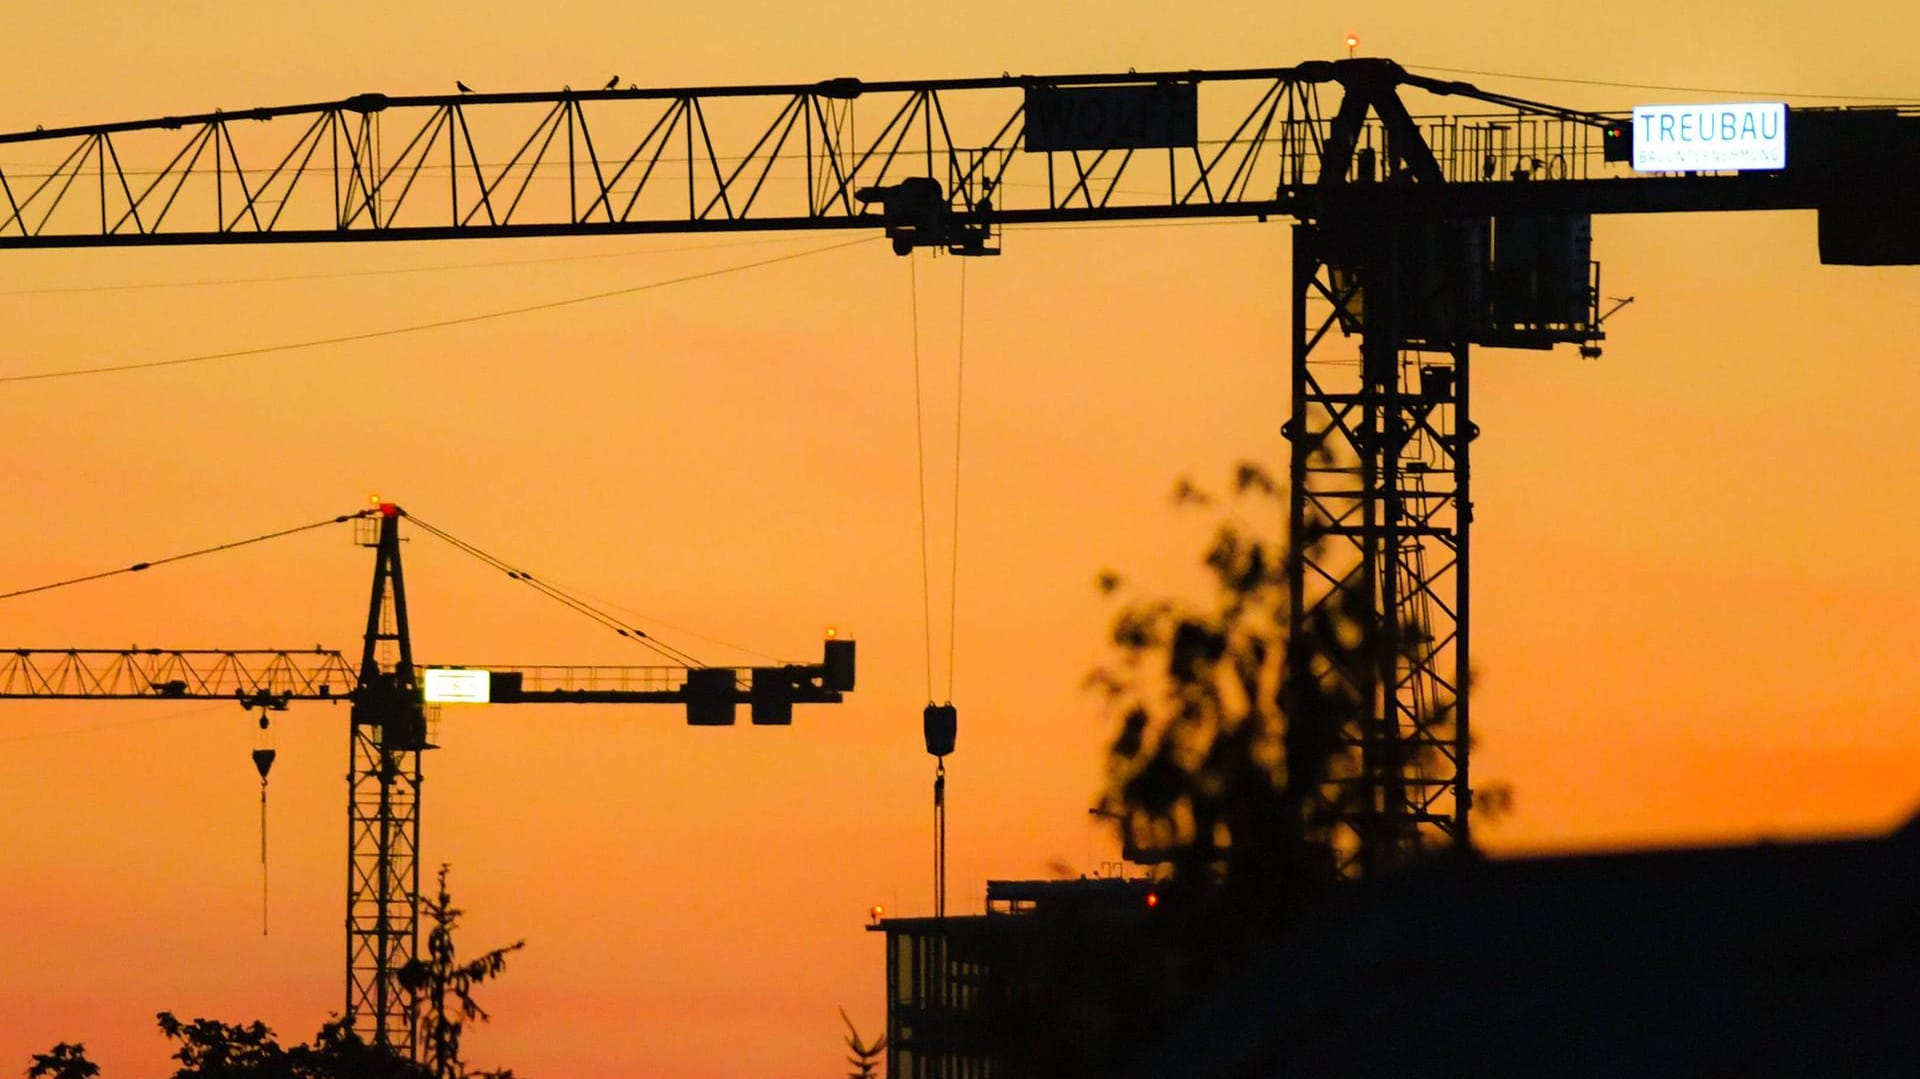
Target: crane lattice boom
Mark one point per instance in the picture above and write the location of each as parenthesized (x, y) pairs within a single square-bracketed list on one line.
[(823, 155), (273, 678)]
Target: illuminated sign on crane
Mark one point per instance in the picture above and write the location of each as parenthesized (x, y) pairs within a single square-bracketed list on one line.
[(1709, 138), (457, 685)]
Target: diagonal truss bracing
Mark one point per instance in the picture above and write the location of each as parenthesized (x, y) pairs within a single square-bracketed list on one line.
[(1379, 487), (631, 160), (250, 676)]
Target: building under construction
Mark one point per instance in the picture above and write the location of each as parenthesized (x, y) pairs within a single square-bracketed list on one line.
[(963, 991)]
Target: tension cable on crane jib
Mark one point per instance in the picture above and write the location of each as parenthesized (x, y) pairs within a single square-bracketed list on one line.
[(269, 679), (667, 651), (558, 595), (138, 567)]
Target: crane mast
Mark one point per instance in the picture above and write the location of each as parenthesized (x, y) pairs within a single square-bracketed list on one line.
[(1418, 236), (388, 734)]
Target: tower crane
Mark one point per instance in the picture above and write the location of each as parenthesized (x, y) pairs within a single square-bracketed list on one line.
[(389, 731), (1419, 234)]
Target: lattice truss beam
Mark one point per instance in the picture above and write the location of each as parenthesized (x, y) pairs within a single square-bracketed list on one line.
[(742, 157), (270, 677), (389, 731), (383, 885), (1379, 441), (252, 676)]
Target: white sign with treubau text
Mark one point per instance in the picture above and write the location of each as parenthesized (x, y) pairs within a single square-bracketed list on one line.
[(1709, 138), (456, 685)]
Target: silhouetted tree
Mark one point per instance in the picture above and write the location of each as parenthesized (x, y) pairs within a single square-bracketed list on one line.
[(338, 1052), (866, 1056), (67, 1060), (442, 986), (442, 990), (210, 1049), (1228, 764), (1223, 771)]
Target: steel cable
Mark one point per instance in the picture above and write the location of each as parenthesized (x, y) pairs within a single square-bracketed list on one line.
[(140, 566), (566, 599), (920, 452), (1611, 84), (953, 577), (419, 327)]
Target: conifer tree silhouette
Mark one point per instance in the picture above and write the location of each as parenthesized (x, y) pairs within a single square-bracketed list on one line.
[(866, 1055), (442, 986)]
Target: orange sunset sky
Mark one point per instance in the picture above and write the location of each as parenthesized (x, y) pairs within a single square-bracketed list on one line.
[(1697, 559)]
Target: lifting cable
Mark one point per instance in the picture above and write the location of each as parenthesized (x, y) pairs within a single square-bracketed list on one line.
[(920, 470), (939, 721), (138, 566), (263, 756), (920, 451), (953, 564), (642, 637)]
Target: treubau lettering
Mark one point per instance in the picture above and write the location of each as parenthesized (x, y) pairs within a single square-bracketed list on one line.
[(1673, 138)]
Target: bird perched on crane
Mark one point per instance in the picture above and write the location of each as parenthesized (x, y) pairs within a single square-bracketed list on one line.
[(612, 84), (462, 87)]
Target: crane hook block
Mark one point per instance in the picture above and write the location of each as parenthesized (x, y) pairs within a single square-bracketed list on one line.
[(263, 762), (940, 723)]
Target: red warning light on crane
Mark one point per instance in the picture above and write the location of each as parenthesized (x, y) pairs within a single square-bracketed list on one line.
[(1616, 141), (1353, 42)]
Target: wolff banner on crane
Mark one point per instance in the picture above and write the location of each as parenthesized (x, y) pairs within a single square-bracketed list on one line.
[(1155, 116)]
